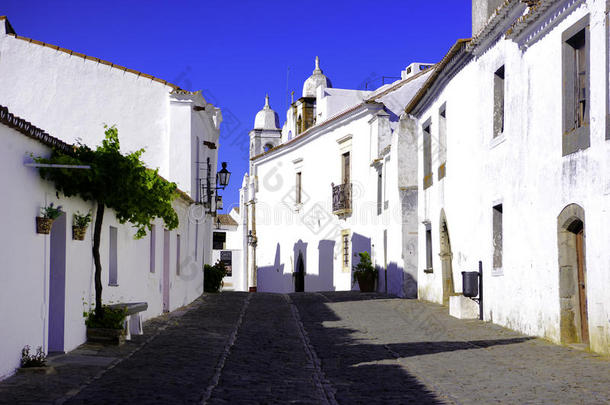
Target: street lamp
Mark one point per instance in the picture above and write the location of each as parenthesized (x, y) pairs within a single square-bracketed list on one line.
[(223, 176), (252, 239), (208, 190)]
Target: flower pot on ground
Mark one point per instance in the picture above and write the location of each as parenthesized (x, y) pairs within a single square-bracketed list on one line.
[(365, 273), (109, 328), (80, 225), (48, 214)]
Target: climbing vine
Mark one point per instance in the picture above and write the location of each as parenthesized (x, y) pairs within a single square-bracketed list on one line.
[(121, 182)]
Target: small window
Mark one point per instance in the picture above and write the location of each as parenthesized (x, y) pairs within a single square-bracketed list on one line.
[(497, 236), (268, 147), (345, 250), (178, 257), (499, 102), (379, 192), (298, 197), (153, 243), (113, 258), (218, 240), (442, 141), (346, 168), (427, 156), (576, 88), (428, 268)]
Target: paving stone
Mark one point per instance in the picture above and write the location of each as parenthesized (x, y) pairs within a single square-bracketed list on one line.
[(318, 348)]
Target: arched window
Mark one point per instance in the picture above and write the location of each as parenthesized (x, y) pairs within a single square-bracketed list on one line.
[(268, 147), (299, 123)]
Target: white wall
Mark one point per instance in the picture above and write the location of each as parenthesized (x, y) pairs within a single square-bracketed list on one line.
[(284, 228), (525, 171), (24, 281)]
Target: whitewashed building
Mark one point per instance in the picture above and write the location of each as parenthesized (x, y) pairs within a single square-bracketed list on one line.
[(227, 245), (48, 279), (328, 185), (514, 168)]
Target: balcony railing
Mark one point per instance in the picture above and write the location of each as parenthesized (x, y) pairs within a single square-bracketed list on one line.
[(342, 198)]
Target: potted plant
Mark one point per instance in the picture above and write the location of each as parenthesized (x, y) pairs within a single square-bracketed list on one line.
[(80, 224), (213, 275), (108, 329), (44, 222), (365, 273), (35, 362)]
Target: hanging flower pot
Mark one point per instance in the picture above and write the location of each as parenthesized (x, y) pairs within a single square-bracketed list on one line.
[(43, 225), (49, 214), (78, 232), (80, 224)]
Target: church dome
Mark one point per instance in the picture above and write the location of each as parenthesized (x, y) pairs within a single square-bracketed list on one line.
[(316, 79), (266, 118)]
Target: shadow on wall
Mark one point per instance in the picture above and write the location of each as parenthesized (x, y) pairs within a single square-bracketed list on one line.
[(345, 359), (275, 279), (360, 244)]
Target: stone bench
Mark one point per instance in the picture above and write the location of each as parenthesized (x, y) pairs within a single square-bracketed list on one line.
[(133, 321)]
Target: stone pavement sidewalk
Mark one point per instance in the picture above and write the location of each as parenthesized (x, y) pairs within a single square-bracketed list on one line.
[(374, 350), (318, 348), (101, 370)]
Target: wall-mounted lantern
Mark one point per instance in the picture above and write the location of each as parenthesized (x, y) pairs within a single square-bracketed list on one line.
[(252, 239)]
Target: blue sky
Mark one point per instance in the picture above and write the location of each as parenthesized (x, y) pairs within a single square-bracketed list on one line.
[(237, 51)]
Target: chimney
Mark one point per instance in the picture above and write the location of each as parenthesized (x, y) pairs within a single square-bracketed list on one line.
[(481, 11)]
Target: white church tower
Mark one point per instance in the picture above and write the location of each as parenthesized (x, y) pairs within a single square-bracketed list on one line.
[(266, 133)]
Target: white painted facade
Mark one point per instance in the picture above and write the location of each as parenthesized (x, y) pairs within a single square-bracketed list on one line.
[(522, 169), (25, 282), (72, 96), (366, 125), (233, 232)]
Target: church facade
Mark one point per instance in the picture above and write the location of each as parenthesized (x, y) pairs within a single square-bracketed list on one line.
[(329, 184)]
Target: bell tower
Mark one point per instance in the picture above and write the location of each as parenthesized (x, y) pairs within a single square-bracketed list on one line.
[(266, 133)]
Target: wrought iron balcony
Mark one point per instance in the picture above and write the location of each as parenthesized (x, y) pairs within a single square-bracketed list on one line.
[(342, 198)]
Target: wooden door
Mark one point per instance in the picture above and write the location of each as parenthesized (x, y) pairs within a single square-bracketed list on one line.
[(582, 293)]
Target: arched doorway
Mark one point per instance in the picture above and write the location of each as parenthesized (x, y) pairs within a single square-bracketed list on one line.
[(446, 257), (299, 275), (574, 325)]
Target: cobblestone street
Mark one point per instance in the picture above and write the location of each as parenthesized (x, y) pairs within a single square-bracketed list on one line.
[(318, 348)]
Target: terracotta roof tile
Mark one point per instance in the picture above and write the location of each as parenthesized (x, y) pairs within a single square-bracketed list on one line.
[(439, 67), (91, 58), (226, 219), (31, 131)]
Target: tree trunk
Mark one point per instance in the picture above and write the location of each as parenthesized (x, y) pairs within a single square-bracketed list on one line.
[(97, 233)]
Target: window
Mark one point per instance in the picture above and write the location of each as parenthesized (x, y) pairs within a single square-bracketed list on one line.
[(346, 168), (218, 240), (113, 258), (497, 236), (576, 88), (178, 254), (267, 147), (427, 156), (345, 250), (499, 102), (153, 242), (379, 192), (428, 268), (298, 197), (442, 141)]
